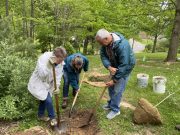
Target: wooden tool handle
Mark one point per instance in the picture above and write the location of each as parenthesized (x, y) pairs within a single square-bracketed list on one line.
[(75, 98), (56, 97)]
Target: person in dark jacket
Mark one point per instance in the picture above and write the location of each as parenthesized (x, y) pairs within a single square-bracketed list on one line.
[(118, 57), (72, 69)]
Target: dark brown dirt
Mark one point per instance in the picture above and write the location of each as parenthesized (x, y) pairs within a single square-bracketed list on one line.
[(146, 113), (77, 120)]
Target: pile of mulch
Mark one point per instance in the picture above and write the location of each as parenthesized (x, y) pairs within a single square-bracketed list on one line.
[(146, 113), (7, 126), (37, 130)]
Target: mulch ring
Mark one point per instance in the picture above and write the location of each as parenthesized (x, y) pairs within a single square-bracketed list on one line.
[(96, 79), (6, 127)]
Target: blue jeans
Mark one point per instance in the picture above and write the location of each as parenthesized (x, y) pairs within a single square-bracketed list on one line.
[(115, 94), (46, 104), (67, 83)]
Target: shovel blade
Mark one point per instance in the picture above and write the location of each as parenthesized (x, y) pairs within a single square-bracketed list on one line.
[(62, 128)]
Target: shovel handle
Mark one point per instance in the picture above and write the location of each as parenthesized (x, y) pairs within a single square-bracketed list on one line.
[(75, 98), (56, 97), (97, 104)]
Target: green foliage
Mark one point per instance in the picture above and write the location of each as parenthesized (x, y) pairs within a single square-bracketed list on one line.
[(15, 74), (162, 45), (8, 107), (148, 48), (69, 48), (17, 58)]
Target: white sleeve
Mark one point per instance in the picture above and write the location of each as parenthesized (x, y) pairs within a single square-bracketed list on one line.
[(42, 67), (59, 74)]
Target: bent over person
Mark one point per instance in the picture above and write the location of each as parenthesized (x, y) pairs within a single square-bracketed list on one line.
[(72, 69), (41, 83), (117, 56)]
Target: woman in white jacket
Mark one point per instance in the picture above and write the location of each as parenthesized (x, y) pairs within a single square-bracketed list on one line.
[(41, 82)]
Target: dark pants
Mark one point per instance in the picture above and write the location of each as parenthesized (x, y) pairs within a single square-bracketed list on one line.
[(67, 83), (46, 104)]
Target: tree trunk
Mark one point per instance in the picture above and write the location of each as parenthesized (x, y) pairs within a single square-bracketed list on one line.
[(155, 43), (132, 43), (175, 36), (7, 8), (24, 18), (56, 22), (85, 45), (32, 22)]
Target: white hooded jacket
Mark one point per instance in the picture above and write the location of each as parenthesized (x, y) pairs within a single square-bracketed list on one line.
[(41, 81)]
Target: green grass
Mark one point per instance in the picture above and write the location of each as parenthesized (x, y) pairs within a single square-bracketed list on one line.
[(122, 124)]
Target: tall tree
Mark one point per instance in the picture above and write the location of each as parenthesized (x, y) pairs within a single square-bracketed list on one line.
[(31, 21), (24, 21), (7, 7), (175, 36)]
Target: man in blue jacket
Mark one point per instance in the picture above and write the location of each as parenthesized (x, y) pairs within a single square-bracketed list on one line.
[(72, 68), (117, 56)]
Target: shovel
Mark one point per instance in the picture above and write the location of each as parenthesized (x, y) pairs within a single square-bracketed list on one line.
[(95, 108), (61, 124), (75, 98)]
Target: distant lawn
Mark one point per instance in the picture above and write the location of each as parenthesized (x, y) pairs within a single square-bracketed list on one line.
[(123, 125)]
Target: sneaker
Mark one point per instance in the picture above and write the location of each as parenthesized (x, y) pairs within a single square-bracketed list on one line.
[(112, 114), (53, 122), (43, 118), (106, 107)]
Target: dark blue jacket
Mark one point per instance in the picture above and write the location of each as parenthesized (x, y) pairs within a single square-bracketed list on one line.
[(73, 76), (124, 58)]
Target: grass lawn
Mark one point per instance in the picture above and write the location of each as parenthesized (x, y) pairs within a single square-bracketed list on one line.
[(122, 124)]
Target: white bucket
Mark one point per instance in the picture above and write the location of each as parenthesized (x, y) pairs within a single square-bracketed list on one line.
[(142, 80), (159, 84)]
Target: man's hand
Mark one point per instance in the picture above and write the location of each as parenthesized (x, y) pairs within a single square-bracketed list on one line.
[(112, 70), (52, 60), (110, 83), (56, 91)]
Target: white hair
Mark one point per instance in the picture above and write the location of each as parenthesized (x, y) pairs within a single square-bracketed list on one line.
[(102, 33)]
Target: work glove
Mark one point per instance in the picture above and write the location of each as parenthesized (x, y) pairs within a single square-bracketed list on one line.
[(56, 91), (52, 60)]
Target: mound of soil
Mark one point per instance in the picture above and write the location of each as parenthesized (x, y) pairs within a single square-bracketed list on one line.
[(145, 113)]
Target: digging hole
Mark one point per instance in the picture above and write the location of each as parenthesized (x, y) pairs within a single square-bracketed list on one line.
[(77, 120)]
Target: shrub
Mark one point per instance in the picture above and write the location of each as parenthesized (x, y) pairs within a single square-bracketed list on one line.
[(148, 48), (15, 72), (162, 45), (69, 48)]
